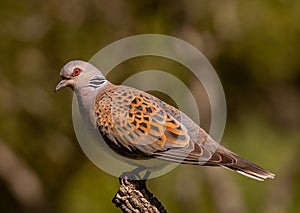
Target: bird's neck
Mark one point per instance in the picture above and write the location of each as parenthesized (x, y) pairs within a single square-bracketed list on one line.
[(86, 99)]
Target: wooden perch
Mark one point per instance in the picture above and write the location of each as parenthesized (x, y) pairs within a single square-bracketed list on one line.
[(133, 196)]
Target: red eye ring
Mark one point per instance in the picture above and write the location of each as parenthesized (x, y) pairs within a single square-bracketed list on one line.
[(76, 71)]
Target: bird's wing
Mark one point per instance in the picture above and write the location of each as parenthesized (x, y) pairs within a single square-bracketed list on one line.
[(133, 121), (136, 124)]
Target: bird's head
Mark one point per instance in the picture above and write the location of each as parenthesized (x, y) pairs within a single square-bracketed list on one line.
[(76, 74)]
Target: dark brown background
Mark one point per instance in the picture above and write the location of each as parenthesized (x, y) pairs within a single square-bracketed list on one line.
[(254, 47)]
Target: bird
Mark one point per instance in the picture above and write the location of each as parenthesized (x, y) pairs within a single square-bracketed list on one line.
[(140, 126)]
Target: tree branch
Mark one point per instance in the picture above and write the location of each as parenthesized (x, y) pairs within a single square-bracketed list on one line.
[(133, 196)]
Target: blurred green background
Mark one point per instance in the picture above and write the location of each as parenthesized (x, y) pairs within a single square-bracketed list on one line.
[(254, 47)]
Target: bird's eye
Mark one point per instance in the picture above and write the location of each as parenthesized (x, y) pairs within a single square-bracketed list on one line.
[(76, 71)]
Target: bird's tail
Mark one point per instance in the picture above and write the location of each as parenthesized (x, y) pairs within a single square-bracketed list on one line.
[(225, 158), (249, 169)]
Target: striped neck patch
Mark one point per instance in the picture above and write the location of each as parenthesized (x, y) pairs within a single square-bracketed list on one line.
[(96, 81)]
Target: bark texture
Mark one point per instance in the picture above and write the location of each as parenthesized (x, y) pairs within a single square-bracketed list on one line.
[(133, 196)]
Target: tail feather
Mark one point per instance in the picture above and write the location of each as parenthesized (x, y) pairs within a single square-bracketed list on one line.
[(225, 158), (249, 169)]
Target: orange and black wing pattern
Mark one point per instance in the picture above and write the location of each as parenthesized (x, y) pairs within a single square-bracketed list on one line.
[(135, 122)]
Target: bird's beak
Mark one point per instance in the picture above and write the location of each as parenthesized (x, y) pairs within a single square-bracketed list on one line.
[(63, 83)]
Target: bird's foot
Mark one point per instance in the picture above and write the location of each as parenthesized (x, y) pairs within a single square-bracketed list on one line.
[(139, 173)]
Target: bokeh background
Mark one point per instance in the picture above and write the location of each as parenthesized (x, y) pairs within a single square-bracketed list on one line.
[(254, 47)]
